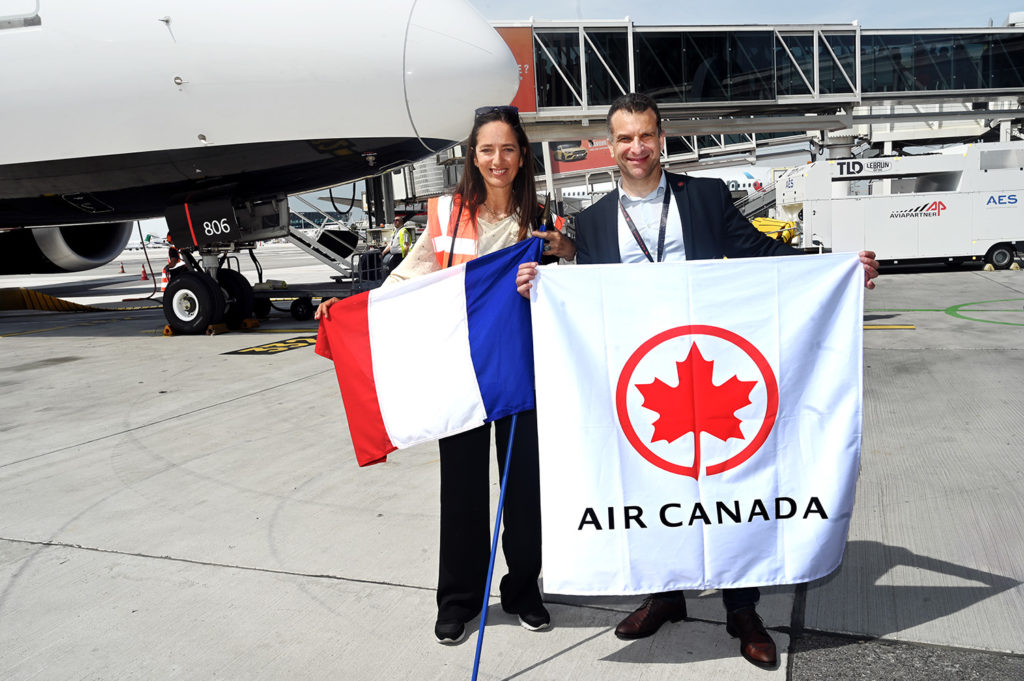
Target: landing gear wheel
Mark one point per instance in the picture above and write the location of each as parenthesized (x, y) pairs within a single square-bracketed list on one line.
[(240, 299), (302, 309), (261, 308), (1000, 256), (192, 302)]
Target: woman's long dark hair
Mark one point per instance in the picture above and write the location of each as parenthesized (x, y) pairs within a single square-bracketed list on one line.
[(472, 188)]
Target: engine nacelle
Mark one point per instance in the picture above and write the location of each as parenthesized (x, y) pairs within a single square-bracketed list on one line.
[(62, 249)]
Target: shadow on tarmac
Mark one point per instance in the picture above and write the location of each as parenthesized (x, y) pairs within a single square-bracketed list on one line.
[(878, 609), (885, 608)]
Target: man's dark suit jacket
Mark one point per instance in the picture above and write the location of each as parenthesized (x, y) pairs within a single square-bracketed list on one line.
[(712, 227)]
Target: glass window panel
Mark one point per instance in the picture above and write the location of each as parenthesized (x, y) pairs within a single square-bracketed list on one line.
[(887, 63), (957, 61), (552, 88), (658, 60), (703, 66), (774, 135), (787, 74), (708, 142), (613, 47), (830, 73), (676, 145), (1007, 62), (706, 66), (930, 66), (965, 58), (933, 62), (752, 74)]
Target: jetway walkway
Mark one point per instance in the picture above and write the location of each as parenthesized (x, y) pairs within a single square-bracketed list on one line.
[(744, 94), (573, 70), (727, 90)]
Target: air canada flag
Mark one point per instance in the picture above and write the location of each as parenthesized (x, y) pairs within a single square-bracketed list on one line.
[(699, 422)]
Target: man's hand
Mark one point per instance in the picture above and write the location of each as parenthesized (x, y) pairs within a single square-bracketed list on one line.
[(322, 308), (557, 244), (867, 258), (525, 275)]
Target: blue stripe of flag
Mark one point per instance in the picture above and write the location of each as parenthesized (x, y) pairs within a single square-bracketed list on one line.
[(500, 334)]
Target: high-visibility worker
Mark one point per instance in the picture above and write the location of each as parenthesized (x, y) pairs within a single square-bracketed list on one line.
[(402, 239)]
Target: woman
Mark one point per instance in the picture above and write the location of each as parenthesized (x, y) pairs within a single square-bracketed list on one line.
[(493, 206)]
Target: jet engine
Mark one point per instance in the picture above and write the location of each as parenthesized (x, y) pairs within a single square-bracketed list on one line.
[(62, 249)]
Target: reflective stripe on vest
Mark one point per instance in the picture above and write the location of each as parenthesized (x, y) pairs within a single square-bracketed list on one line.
[(466, 237), (441, 215), (404, 240)]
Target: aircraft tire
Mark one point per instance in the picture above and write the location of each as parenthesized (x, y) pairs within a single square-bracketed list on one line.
[(302, 309), (261, 307), (192, 302), (240, 299)]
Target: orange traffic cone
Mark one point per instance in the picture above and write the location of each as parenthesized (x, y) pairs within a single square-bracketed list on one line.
[(144, 277), (163, 280), (122, 268)]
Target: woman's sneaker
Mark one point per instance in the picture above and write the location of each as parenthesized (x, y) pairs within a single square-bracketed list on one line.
[(535, 619), (450, 632)]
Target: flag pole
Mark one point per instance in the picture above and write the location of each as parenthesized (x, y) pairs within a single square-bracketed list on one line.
[(494, 548), (544, 222)]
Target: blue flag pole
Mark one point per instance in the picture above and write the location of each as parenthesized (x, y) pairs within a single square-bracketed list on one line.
[(494, 548)]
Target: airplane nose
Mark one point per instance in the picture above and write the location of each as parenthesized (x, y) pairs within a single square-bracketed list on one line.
[(455, 62)]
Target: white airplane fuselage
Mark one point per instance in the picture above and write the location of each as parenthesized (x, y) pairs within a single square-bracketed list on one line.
[(115, 110)]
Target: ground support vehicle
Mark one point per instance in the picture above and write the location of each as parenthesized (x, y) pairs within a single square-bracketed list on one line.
[(963, 203)]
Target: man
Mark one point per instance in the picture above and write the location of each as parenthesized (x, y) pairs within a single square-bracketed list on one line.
[(401, 241), (657, 216)]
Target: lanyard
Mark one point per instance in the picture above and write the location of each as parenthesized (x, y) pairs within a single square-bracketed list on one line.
[(455, 231), (661, 231)]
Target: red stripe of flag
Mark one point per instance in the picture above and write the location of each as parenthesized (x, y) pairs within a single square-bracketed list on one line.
[(345, 338)]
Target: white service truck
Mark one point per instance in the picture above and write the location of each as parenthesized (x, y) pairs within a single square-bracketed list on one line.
[(962, 203)]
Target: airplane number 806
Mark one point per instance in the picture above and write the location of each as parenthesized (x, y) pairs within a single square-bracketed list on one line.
[(215, 227)]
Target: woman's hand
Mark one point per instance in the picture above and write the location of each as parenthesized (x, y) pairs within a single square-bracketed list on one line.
[(525, 275)]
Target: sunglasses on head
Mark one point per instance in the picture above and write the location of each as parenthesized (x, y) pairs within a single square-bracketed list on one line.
[(511, 111)]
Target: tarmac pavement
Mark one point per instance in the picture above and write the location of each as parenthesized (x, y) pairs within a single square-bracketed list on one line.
[(169, 511)]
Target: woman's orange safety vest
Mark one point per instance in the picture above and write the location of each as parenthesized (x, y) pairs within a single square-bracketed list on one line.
[(465, 237)]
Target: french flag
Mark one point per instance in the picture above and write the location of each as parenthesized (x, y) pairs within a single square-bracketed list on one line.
[(433, 356)]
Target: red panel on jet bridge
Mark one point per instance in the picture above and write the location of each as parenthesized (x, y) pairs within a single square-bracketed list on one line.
[(520, 41)]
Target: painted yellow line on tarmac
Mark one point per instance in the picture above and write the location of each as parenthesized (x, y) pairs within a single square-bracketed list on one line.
[(274, 348), (889, 327)]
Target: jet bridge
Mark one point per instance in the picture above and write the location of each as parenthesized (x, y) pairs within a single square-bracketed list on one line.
[(733, 94)]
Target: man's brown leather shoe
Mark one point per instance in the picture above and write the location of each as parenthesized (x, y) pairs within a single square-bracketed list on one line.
[(755, 643), (649, 617)]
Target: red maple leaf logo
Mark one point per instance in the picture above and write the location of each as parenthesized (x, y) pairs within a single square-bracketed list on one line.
[(696, 405)]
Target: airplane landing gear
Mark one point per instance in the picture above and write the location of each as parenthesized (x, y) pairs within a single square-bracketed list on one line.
[(192, 302), (240, 298)]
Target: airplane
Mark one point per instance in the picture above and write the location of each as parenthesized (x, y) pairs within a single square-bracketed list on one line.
[(741, 183), (211, 114)]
